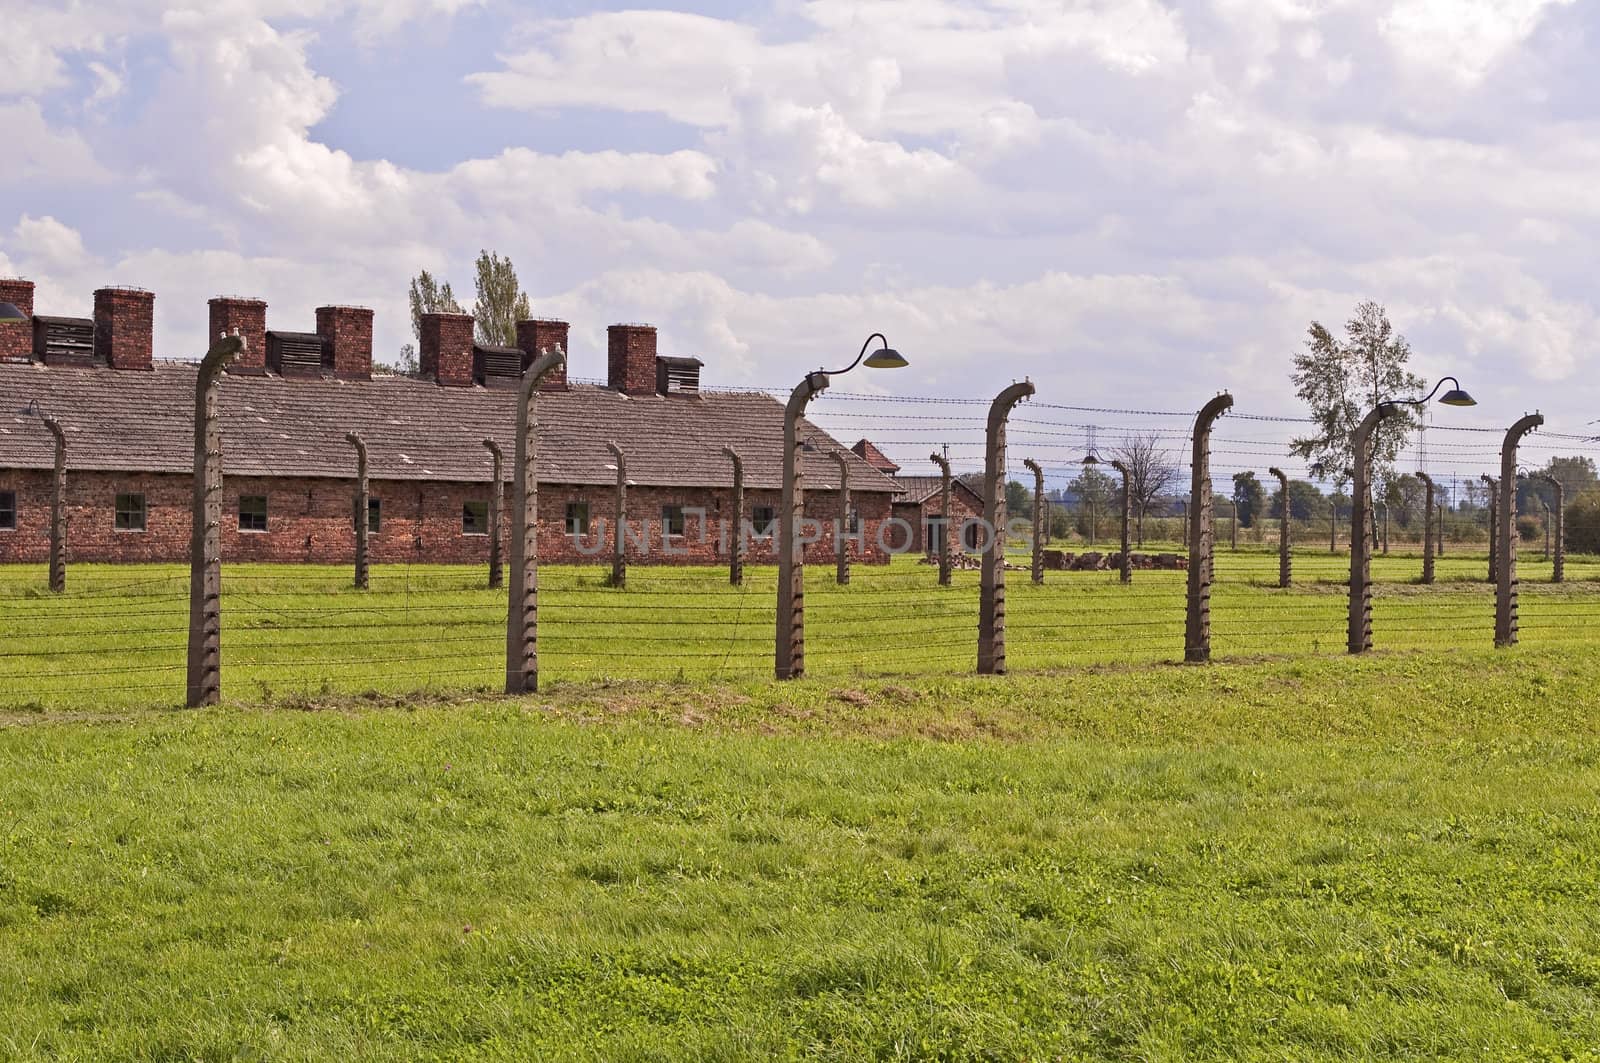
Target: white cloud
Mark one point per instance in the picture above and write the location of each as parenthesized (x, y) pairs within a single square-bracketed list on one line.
[(1462, 38)]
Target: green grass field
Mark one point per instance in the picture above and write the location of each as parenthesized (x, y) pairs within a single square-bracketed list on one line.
[(1289, 854), (1389, 858), (116, 639)]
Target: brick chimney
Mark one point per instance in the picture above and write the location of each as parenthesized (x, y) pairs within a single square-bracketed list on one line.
[(347, 330), (249, 316), (446, 353), (16, 341), (545, 334), (631, 359), (124, 322)]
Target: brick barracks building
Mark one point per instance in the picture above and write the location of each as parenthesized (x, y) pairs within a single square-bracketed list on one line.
[(289, 472)]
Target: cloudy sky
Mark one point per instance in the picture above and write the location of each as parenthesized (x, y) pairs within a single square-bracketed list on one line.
[(1121, 199)]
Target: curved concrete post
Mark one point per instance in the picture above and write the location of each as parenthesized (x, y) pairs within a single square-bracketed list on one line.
[(58, 507), (1360, 620), (522, 609), (1505, 596), (790, 648), (619, 530), (1385, 507), (1126, 568), (361, 504), (1558, 511), (1285, 522), (1037, 569), (737, 543), (1441, 528), (496, 503), (1197, 617), (841, 529), (992, 584), (946, 523), (205, 538), (1427, 527), (1494, 509)]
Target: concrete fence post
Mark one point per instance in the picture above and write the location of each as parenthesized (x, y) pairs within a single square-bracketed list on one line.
[(1385, 507), (992, 583), (58, 507), (945, 523), (619, 509), (841, 528), (1285, 563), (736, 545), (1037, 569), (1359, 627), (1125, 570), (361, 506), (1494, 507), (1333, 526), (1558, 512), (1427, 527), (1505, 596), (1197, 617), (522, 607), (205, 539), (496, 516), (789, 649), (1441, 529)]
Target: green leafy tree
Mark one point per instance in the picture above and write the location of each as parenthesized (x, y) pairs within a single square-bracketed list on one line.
[(1249, 498), (429, 296), (501, 301), (1341, 380), (1305, 502), (405, 360), (1095, 492), (1405, 496), (1583, 523), (1019, 500)]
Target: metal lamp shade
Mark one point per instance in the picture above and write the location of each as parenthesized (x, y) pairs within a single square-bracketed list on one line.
[(885, 358), (1457, 397)]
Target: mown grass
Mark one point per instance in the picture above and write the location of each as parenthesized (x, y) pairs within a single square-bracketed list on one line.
[(1394, 857), (116, 639)]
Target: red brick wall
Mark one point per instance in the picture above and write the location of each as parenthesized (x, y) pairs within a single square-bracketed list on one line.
[(310, 520), (16, 341), (962, 509), (446, 353), (249, 316), (348, 332), (631, 358), (541, 334), (124, 324)]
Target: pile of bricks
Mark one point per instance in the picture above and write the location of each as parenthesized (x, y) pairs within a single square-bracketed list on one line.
[(1093, 561)]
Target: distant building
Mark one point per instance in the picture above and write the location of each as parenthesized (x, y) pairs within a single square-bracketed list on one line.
[(289, 472), (917, 502)]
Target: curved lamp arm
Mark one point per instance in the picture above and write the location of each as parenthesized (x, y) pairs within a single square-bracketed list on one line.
[(875, 336)]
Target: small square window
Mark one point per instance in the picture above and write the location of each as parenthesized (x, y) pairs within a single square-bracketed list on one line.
[(8, 511), (672, 519), (577, 518), (374, 514), (130, 512), (253, 513), (475, 518), (764, 519)]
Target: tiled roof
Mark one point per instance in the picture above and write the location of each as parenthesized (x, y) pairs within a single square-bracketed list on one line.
[(875, 457), (922, 488), (130, 421)]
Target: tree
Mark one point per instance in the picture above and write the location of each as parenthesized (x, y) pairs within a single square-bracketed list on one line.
[(1019, 500), (1405, 496), (428, 296), (1150, 473), (1094, 491), (405, 361), (501, 302), (1249, 499), (1583, 522), (1575, 474), (1305, 502), (1342, 380)]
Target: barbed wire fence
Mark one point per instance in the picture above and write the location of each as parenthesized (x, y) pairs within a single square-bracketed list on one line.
[(115, 637)]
